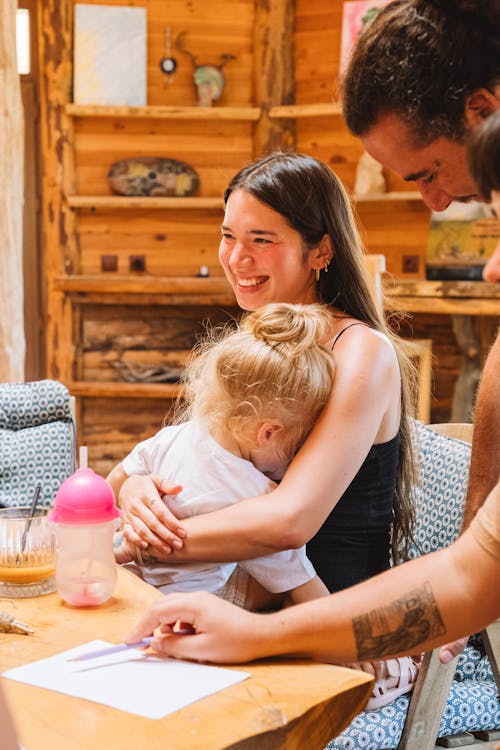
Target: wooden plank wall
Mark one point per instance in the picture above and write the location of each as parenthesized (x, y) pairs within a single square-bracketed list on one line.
[(395, 229)]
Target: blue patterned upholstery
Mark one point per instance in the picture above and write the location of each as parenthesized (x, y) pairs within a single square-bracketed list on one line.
[(473, 699), (37, 440)]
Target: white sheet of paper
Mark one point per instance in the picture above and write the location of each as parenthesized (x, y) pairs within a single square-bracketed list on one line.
[(134, 681)]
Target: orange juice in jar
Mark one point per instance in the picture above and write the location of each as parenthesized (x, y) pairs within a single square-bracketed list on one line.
[(27, 553)]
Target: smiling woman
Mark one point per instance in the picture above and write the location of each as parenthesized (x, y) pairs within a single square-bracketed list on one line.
[(262, 263), (289, 235)]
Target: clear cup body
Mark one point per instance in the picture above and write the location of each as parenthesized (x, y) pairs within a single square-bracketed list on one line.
[(27, 553), (85, 563)]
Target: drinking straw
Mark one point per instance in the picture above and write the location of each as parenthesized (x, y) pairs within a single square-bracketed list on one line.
[(32, 510), (83, 457)]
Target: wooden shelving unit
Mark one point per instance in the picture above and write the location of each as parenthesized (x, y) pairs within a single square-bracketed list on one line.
[(245, 114), (95, 317)]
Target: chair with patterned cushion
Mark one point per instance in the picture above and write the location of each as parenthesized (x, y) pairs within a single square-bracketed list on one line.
[(448, 700), (37, 440)]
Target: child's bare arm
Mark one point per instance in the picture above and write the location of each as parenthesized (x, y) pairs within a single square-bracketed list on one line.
[(313, 589), (116, 478), (124, 551)]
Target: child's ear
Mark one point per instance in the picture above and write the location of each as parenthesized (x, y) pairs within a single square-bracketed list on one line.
[(268, 431), (479, 105)]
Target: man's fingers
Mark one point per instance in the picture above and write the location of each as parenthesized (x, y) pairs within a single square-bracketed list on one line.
[(450, 650), (165, 613), (195, 647)]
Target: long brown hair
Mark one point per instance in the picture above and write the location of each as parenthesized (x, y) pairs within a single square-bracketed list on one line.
[(312, 199)]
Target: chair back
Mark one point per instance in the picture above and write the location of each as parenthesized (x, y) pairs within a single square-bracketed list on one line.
[(444, 472), (37, 440)]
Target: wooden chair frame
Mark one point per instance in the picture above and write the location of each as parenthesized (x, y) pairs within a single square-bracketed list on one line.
[(434, 680), (420, 350)]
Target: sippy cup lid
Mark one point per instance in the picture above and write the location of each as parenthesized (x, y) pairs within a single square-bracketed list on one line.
[(84, 497)]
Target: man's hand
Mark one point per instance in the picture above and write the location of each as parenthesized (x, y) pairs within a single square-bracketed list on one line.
[(213, 629), (450, 650), (146, 518)]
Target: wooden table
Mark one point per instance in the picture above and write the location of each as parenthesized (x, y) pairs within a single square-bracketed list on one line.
[(284, 704)]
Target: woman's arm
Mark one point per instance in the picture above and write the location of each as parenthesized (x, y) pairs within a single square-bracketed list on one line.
[(413, 607), (365, 395)]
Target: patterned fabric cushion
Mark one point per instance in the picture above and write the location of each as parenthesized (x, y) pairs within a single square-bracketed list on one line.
[(37, 438), (471, 706), (444, 472), (473, 700)]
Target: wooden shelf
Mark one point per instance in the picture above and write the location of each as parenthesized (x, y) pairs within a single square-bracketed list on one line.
[(126, 201), (396, 195), (298, 111), (250, 114), (144, 284), (444, 297), (122, 389)]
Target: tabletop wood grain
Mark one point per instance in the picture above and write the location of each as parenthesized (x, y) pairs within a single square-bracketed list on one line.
[(284, 704)]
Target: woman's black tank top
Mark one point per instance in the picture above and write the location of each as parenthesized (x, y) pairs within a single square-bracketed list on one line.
[(354, 542)]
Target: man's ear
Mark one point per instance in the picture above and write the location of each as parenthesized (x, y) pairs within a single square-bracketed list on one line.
[(268, 431), (479, 105)]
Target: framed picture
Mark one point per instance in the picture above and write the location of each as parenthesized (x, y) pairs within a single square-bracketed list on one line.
[(110, 55), (356, 16), (461, 239)]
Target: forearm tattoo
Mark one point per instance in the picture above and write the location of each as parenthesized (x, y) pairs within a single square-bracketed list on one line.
[(400, 626)]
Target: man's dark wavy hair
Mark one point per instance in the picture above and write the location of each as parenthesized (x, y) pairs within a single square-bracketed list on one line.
[(419, 59)]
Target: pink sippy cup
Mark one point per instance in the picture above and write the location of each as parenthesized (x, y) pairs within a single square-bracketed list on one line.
[(84, 516)]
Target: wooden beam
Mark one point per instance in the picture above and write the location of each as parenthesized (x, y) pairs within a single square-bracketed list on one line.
[(55, 29), (273, 73), (12, 343)]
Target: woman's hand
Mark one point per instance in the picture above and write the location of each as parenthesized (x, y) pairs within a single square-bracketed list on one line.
[(202, 627), (147, 520)]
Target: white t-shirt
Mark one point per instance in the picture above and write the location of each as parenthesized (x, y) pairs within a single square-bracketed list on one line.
[(211, 478)]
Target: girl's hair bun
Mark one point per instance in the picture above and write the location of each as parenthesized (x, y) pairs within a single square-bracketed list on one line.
[(297, 327)]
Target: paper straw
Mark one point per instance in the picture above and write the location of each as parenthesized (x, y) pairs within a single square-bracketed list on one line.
[(83, 457)]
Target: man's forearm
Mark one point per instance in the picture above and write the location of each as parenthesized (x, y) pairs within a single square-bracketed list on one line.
[(485, 459), (414, 607)]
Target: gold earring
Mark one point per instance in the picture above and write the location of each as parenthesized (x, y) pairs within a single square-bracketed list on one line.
[(326, 267), (318, 271)]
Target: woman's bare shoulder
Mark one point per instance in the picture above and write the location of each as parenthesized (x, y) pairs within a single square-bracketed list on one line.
[(358, 344)]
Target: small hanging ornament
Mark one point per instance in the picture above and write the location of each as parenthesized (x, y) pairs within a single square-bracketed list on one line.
[(168, 64)]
